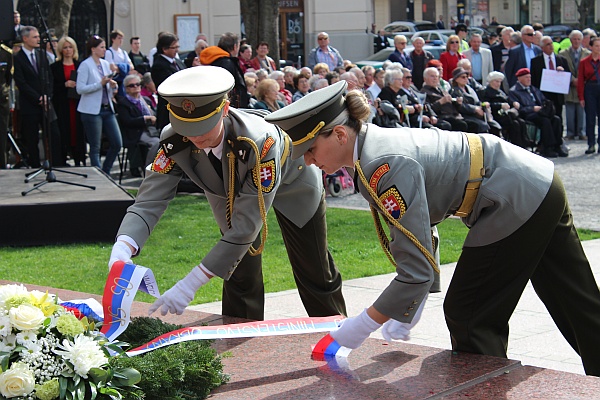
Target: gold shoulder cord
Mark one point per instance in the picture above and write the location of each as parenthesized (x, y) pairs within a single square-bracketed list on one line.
[(383, 240), (261, 199)]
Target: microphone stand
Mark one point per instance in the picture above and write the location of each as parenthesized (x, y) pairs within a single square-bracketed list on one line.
[(44, 71)]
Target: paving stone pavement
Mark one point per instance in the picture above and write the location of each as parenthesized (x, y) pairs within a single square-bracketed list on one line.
[(534, 338)]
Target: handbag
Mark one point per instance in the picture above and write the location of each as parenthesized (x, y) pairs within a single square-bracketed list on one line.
[(72, 92), (547, 110)]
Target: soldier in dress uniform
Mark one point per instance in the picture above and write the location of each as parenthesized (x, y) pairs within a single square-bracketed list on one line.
[(242, 163), (521, 227)]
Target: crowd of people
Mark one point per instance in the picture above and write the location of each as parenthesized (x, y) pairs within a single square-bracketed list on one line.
[(470, 88), (497, 90)]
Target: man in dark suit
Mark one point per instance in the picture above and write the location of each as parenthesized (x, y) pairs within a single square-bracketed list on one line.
[(500, 50), (17, 27), (520, 56), (34, 80), (549, 60), (380, 41), (165, 64), (531, 101)]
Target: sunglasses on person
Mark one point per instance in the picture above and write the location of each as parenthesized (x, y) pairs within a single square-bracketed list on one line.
[(408, 77), (132, 85), (453, 42), (528, 34)]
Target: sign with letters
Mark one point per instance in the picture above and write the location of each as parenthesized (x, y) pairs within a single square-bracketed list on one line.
[(555, 81)]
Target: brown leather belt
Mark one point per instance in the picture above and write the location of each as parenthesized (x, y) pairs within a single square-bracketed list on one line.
[(477, 171)]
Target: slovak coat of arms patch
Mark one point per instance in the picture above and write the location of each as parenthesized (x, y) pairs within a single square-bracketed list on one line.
[(267, 175), (162, 164), (393, 202)]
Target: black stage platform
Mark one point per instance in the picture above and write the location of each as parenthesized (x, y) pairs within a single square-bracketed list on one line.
[(59, 213)]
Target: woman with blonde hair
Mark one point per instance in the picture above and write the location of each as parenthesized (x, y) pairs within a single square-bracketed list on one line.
[(321, 69), (451, 56), (65, 100), (267, 94)]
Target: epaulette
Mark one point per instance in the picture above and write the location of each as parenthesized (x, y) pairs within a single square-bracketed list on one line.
[(240, 148), (6, 48), (174, 144)]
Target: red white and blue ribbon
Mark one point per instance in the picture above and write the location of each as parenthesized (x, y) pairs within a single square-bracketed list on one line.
[(124, 280), (290, 326), (122, 284)]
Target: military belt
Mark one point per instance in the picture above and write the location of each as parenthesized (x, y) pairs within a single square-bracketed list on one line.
[(476, 174)]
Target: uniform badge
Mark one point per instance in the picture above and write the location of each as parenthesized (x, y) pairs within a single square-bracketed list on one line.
[(188, 106), (162, 164), (379, 172), (267, 175), (393, 202), (266, 147)]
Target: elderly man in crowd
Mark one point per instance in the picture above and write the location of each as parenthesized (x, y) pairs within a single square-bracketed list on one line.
[(324, 53), (549, 60), (531, 100), (481, 59), (501, 49), (575, 113), (443, 105), (520, 56), (419, 59), (193, 58)]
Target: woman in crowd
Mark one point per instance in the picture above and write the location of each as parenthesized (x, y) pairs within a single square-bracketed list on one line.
[(251, 85), (139, 125), (302, 86), (267, 94), (521, 226), (284, 95), (506, 114), (65, 100), (149, 90), (588, 89), (321, 69), (471, 108), (245, 56), (450, 57), (97, 89)]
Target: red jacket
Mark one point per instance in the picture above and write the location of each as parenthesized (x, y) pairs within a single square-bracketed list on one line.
[(256, 64), (586, 73), (449, 62)]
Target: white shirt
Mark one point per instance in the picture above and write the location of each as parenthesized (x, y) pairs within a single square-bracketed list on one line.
[(547, 60)]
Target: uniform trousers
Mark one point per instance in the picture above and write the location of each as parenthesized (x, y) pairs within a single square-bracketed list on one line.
[(551, 129), (317, 277), (489, 281)]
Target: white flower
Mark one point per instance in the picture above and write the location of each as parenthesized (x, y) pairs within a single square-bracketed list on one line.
[(25, 337), (84, 353), (26, 317), (33, 347), (7, 291), (5, 326), (18, 380), (8, 343)]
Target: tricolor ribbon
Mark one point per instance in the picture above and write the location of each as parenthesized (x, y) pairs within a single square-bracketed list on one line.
[(124, 280), (328, 348)]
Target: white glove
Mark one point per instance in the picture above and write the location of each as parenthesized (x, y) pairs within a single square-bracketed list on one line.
[(394, 330), (355, 330), (176, 299), (120, 252)]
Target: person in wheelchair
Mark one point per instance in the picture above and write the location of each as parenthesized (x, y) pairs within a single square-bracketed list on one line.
[(534, 108)]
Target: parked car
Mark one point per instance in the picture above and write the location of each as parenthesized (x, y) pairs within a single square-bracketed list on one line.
[(557, 31), (377, 59), (403, 27), (431, 36)]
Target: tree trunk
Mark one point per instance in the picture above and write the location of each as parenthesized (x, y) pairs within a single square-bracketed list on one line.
[(261, 20), (58, 18), (583, 7)]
